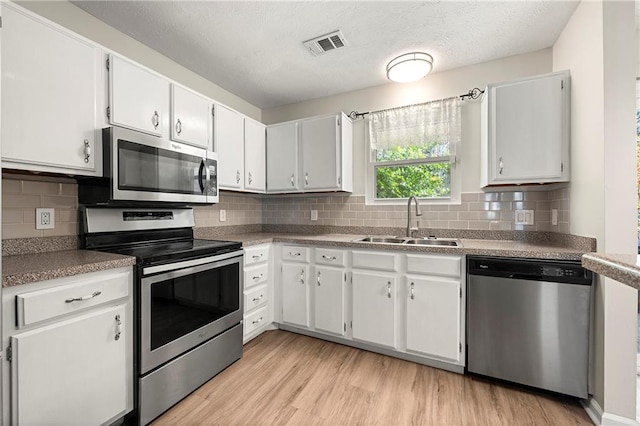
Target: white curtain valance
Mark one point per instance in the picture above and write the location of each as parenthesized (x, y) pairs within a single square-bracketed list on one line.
[(432, 122)]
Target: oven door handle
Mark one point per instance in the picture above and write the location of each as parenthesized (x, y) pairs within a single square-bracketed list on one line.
[(168, 267), (200, 170)]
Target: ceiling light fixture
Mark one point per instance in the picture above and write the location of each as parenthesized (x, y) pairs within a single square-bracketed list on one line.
[(409, 67)]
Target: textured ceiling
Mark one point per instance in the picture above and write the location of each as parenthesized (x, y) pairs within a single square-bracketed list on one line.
[(254, 49)]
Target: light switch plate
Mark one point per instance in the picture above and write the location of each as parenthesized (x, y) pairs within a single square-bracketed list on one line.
[(554, 216), (524, 217), (223, 215), (314, 215), (45, 219)]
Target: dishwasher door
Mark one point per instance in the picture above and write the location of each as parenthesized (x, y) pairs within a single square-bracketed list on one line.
[(529, 328)]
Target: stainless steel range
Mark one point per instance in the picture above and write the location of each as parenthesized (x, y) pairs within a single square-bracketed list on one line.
[(188, 300)]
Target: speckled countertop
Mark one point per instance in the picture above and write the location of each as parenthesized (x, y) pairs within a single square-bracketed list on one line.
[(28, 268), (506, 248), (624, 268)]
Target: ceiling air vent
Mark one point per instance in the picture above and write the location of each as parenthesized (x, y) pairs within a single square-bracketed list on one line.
[(320, 45)]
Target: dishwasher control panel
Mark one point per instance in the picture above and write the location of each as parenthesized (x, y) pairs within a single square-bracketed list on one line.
[(570, 272)]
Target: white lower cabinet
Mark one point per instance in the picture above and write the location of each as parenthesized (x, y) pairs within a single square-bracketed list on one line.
[(408, 305), (375, 308), (258, 290), (433, 317), (73, 365)]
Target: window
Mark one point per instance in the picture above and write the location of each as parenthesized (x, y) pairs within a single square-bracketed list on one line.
[(413, 152)]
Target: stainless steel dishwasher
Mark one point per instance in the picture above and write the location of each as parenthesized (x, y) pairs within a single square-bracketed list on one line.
[(528, 322)]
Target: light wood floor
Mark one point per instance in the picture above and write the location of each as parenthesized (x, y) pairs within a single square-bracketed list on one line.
[(290, 379)]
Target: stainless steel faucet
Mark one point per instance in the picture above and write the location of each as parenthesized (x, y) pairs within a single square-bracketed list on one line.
[(418, 213)]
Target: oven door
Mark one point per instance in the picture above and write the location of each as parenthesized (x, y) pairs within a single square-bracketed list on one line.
[(147, 168), (187, 305)]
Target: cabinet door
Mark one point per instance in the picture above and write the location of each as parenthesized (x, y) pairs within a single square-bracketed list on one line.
[(295, 294), (329, 300), (51, 83), (190, 117), (71, 372), (321, 153), (138, 99), (528, 130), (375, 310), (282, 158), (433, 317), (254, 156), (228, 130)]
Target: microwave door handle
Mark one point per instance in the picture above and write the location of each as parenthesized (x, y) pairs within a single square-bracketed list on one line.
[(200, 170)]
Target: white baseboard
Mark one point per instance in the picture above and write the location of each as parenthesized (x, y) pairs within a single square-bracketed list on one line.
[(600, 418)]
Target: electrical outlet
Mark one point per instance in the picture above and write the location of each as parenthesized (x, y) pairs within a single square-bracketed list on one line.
[(223, 215), (554, 216), (314, 215), (45, 219), (524, 217)]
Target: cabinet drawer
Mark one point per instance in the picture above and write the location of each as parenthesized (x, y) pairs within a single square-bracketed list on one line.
[(448, 266), (255, 275), (256, 320), (330, 257), (295, 254), (375, 260), (41, 305), (255, 297), (256, 254)]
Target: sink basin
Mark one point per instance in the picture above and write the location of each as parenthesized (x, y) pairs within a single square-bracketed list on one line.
[(388, 240), (414, 241), (434, 242)]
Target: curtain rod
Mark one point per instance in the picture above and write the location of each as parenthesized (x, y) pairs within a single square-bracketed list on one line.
[(472, 94)]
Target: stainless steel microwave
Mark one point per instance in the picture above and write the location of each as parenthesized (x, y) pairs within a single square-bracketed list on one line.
[(140, 168)]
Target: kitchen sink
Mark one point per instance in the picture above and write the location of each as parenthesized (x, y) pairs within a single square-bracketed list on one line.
[(446, 242)]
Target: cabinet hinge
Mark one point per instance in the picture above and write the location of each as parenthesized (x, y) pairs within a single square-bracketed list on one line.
[(345, 277), (0, 21), (561, 167), (561, 84), (213, 111), (9, 353), (460, 347), (460, 292), (108, 64), (351, 279), (338, 120), (351, 324), (339, 180), (345, 327), (108, 112)]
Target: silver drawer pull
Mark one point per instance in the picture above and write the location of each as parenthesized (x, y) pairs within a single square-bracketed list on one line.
[(257, 256), (258, 321), (295, 254), (257, 277), (80, 299), (255, 299), (329, 257), (413, 291), (118, 327)]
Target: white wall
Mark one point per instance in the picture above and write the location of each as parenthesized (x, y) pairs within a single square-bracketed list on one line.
[(598, 46), (66, 14), (435, 86)]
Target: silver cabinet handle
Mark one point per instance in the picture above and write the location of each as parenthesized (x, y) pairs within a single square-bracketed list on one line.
[(255, 299), (413, 292), (302, 276), (257, 277), (329, 257), (237, 176), (87, 297), (87, 150), (178, 126), (306, 178), (292, 177), (389, 289), (257, 256), (118, 327), (155, 120), (500, 165), (258, 321), (295, 254), (318, 279), (250, 178)]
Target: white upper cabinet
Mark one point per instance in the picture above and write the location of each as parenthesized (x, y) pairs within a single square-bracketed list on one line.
[(190, 117), (254, 156), (282, 157), (324, 155), (228, 131), (138, 99), (525, 131), (51, 85)]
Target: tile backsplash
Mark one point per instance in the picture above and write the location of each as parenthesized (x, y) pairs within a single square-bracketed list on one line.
[(478, 210)]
